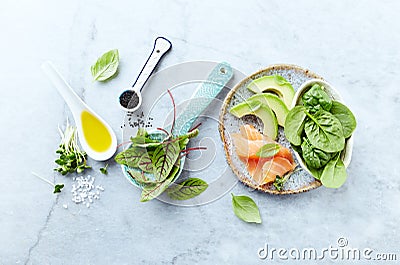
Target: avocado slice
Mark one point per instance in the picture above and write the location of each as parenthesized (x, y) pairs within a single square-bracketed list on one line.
[(275, 103), (275, 84), (260, 110)]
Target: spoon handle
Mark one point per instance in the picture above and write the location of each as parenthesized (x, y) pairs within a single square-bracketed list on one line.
[(74, 102), (161, 47)]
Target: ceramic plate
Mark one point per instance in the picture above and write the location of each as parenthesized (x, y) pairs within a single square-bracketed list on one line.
[(300, 180)]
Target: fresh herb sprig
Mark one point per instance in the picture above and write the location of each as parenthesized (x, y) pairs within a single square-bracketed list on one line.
[(103, 170), (72, 158)]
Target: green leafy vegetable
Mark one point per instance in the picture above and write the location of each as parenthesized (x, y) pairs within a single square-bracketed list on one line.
[(58, 188), (334, 174), (246, 209), (316, 99), (103, 170), (268, 150), (187, 189), (106, 66), (280, 181), (294, 124), (146, 163), (316, 173), (345, 116), (72, 158), (164, 159), (312, 156), (130, 157), (154, 189), (324, 131)]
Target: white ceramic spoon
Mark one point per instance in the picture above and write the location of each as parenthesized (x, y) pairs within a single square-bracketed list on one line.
[(79, 109)]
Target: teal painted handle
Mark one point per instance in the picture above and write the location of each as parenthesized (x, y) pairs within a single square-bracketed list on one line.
[(203, 96)]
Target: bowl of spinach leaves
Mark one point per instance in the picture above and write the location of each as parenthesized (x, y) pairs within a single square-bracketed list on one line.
[(320, 129)]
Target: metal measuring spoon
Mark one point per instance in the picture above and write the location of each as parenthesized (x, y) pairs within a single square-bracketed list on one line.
[(131, 99)]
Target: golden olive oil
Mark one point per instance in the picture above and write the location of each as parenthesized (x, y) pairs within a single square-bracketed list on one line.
[(96, 134)]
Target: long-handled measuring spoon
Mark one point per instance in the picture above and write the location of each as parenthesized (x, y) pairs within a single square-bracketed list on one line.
[(131, 99), (95, 135)]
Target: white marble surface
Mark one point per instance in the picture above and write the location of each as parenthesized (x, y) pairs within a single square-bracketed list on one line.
[(355, 46)]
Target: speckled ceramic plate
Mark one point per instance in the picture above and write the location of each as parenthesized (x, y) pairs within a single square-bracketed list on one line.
[(300, 180)]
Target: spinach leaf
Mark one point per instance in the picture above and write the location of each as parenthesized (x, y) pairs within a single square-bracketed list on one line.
[(187, 189), (316, 99), (316, 173), (345, 116), (268, 150), (246, 209), (106, 66), (312, 156), (164, 158), (334, 174), (294, 124), (324, 131)]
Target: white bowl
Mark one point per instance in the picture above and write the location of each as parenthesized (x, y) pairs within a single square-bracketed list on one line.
[(332, 92)]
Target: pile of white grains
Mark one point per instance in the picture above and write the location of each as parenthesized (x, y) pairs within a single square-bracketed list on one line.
[(84, 190)]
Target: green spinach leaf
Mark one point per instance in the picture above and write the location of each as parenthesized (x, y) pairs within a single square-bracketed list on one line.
[(334, 173), (246, 209), (324, 131), (345, 116), (316, 99), (187, 189), (312, 156), (106, 66), (294, 124)]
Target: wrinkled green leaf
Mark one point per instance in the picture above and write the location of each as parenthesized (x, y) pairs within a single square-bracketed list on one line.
[(268, 150), (334, 174), (187, 189), (246, 209), (294, 124), (312, 156), (324, 131), (345, 116), (316, 99), (106, 66)]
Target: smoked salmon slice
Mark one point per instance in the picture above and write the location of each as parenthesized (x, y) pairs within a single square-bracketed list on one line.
[(263, 170), (277, 166)]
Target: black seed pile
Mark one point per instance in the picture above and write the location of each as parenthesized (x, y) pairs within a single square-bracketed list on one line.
[(129, 99), (137, 121)]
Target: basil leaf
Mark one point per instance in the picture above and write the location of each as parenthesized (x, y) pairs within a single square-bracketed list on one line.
[(187, 189), (268, 150), (312, 156), (294, 124), (106, 66), (164, 158), (345, 116), (334, 174), (325, 132), (130, 157), (316, 99), (154, 189), (246, 209)]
